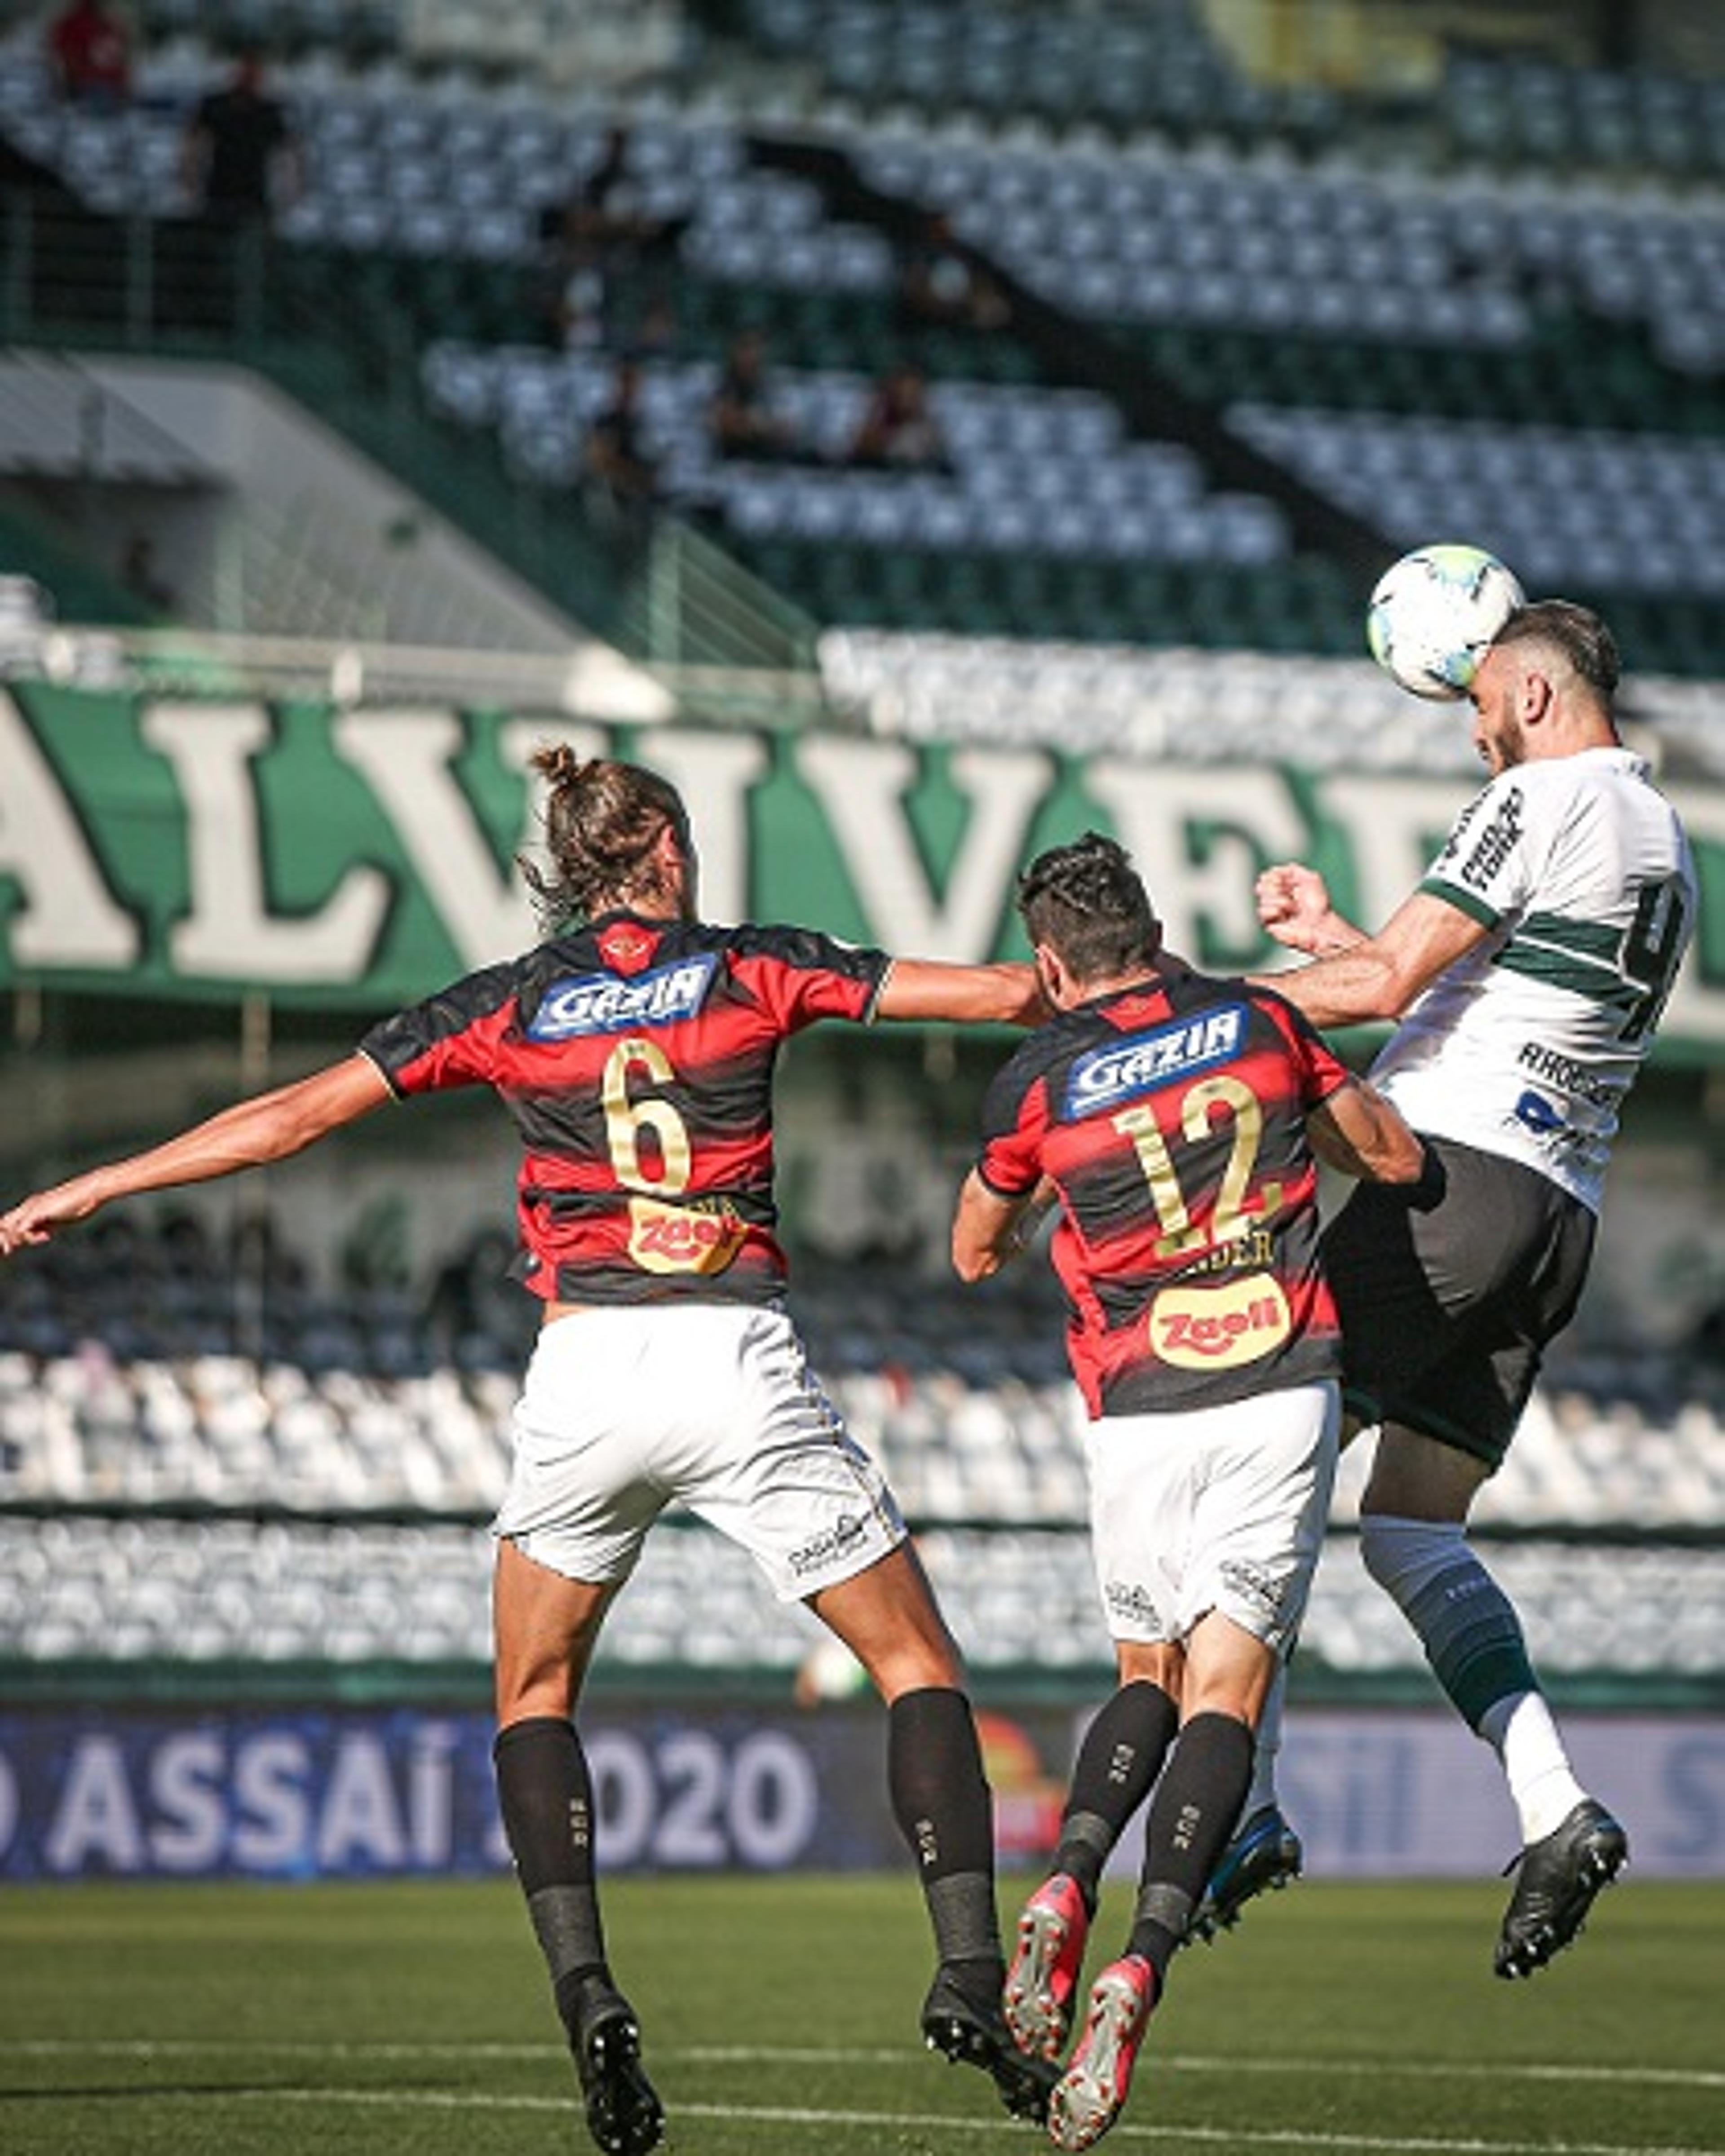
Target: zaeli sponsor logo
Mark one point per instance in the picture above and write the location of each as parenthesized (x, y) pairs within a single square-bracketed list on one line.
[(1201, 1328), (683, 1239)]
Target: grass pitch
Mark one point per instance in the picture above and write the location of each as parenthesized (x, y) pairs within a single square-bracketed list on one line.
[(780, 2018)]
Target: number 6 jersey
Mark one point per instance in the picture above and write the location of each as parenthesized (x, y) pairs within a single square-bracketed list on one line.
[(637, 1058), (1171, 1117)]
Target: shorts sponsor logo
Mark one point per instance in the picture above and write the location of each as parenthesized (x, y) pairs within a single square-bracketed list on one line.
[(682, 1239), (1107, 1076), (1129, 1602), (847, 1533), (601, 1004), (1256, 1587), (1220, 1328)]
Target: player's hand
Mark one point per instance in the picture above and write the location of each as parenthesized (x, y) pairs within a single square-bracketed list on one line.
[(1294, 906), (36, 1218)]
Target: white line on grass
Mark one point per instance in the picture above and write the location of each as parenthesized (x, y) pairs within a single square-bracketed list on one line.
[(1309, 2062), (749, 2055), (1233, 2137)]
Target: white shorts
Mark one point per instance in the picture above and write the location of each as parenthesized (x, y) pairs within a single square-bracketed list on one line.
[(625, 1410), (1223, 1508)]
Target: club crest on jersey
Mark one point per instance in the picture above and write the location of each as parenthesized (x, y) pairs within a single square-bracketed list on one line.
[(600, 1003), (1220, 1328), (1144, 1061)]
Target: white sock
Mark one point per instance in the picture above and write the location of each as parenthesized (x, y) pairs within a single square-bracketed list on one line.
[(1525, 1738), (1267, 1743)]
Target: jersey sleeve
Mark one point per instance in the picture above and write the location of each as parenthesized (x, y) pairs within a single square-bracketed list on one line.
[(1014, 1120), (1486, 867), (1320, 1071), (449, 1040), (801, 976)]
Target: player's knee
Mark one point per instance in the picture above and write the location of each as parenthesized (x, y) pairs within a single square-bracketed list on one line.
[(1403, 1555)]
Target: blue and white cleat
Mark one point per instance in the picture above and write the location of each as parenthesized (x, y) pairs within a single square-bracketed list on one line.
[(1264, 1853)]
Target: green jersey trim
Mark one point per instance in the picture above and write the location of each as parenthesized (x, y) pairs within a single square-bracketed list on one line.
[(1581, 956), (1464, 901)]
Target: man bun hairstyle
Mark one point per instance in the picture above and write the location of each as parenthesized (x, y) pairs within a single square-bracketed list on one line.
[(602, 822), (1088, 903)]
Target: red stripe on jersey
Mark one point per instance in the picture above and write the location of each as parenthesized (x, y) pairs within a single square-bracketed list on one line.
[(643, 1092), (1171, 1118)]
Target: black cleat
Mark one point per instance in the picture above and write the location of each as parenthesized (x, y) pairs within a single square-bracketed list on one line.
[(961, 2020), (624, 2115), (1560, 1876)]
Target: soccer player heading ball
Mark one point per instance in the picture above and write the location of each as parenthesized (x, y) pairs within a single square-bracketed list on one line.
[(1527, 975)]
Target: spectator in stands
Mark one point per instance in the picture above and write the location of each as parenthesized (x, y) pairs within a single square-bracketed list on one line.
[(576, 302), (899, 430), (743, 421), (597, 244), (1528, 971), (1177, 1121), (242, 154), (945, 285), (635, 1048), (90, 52), (622, 473), (603, 209)]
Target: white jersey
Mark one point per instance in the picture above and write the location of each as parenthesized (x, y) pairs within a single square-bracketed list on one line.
[(1527, 1046)]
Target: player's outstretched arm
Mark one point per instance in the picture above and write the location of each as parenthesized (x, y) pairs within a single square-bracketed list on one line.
[(1357, 1131), (1377, 977), (250, 1134), (1294, 906), (930, 988)]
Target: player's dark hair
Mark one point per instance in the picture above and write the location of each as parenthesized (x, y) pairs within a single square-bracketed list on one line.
[(1089, 904), (602, 822), (1576, 631)]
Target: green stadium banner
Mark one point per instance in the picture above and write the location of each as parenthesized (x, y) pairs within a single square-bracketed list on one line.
[(356, 859)]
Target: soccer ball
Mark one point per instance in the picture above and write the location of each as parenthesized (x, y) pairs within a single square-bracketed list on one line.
[(1434, 612)]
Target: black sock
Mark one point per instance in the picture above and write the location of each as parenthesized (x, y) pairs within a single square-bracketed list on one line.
[(546, 1796), (941, 1801), (1195, 1810), (1117, 1764)]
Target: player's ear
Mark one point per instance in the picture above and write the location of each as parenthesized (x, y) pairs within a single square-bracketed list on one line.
[(1052, 974), (1535, 699)]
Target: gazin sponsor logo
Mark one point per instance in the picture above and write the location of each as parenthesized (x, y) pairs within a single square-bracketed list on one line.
[(1107, 1076), (601, 1003)]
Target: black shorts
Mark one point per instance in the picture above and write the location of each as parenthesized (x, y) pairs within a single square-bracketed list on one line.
[(1449, 1292)]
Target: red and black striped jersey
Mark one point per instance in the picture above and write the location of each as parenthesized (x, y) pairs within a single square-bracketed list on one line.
[(636, 1056), (1171, 1116)]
